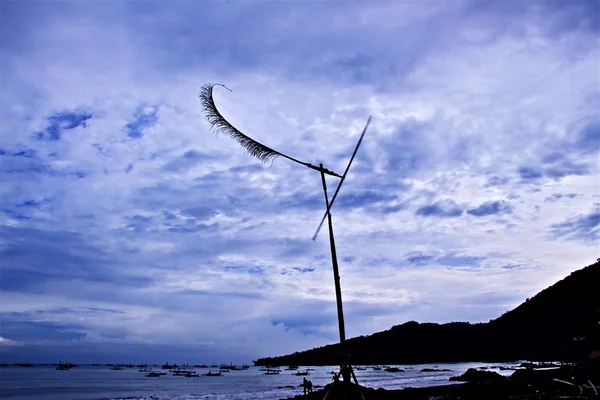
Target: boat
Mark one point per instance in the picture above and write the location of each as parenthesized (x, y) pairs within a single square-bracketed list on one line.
[(26, 365), (272, 371), (200, 366), (292, 368), (210, 373), (301, 373), (223, 370), (142, 365), (117, 368), (3, 364), (62, 367), (182, 371), (169, 366), (214, 366), (193, 374), (153, 374)]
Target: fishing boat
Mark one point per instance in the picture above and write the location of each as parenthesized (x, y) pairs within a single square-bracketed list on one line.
[(301, 373), (214, 366), (153, 374), (272, 371), (26, 365), (182, 371), (210, 373), (169, 366), (292, 368), (200, 366), (193, 374), (63, 367), (223, 370)]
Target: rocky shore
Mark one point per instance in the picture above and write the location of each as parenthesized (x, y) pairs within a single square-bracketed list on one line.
[(565, 382)]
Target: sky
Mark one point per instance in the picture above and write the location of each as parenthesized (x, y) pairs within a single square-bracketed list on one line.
[(131, 232)]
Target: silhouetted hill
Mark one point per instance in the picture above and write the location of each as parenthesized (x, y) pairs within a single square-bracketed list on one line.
[(559, 323)]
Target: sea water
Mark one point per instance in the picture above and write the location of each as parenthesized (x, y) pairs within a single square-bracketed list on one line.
[(87, 382)]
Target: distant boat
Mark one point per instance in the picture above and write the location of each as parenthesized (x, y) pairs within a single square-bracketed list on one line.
[(62, 367), (182, 371), (223, 370), (169, 366), (272, 371), (214, 366), (117, 368), (65, 366), (3, 364), (301, 373), (153, 374), (210, 373), (193, 374), (200, 366), (27, 365), (142, 365), (292, 368)]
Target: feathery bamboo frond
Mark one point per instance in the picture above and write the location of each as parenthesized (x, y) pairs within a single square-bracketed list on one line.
[(219, 124)]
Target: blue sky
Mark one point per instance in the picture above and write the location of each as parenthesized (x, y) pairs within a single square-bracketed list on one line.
[(130, 232)]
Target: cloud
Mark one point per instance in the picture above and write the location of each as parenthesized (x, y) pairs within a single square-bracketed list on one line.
[(490, 208), (143, 118), (127, 226), (529, 173), (585, 227), (441, 209), (63, 121)]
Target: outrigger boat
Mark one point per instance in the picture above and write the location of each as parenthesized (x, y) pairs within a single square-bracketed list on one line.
[(210, 373), (301, 373), (272, 371)]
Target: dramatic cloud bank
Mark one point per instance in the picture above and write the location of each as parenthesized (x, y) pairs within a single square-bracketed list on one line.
[(128, 229)]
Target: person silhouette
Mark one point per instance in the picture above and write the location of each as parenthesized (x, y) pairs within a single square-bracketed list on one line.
[(309, 385), (305, 385)]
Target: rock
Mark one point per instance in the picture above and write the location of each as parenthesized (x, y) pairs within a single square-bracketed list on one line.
[(473, 375)]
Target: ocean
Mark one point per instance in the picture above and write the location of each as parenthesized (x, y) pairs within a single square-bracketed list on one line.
[(87, 382)]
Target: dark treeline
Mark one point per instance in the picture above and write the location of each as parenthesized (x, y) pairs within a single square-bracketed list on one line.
[(559, 323)]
